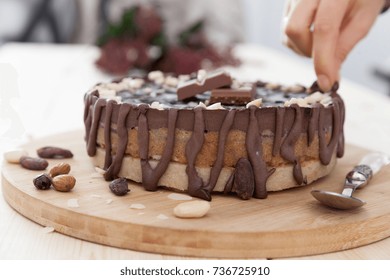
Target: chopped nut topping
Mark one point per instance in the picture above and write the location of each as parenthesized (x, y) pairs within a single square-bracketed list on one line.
[(256, 102), (154, 75), (201, 76), (215, 106)]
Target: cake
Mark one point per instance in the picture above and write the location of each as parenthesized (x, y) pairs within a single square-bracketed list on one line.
[(207, 133)]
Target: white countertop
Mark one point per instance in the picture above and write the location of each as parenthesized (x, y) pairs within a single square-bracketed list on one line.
[(52, 80)]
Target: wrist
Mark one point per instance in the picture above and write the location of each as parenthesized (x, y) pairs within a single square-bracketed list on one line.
[(386, 6)]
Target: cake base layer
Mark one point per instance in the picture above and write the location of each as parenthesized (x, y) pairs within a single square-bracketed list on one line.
[(298, 226), (175, 177)]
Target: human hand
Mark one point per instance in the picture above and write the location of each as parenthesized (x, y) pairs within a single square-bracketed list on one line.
[(327, 30)]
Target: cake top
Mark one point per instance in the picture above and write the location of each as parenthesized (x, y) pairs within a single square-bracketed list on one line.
[(214, 91)]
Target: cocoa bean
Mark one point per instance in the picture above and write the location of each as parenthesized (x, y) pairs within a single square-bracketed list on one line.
[(54, 152), (42, 182), (32, 163), (119, 186), (243, 182)]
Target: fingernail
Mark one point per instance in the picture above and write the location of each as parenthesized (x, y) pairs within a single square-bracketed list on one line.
[(324, 83)]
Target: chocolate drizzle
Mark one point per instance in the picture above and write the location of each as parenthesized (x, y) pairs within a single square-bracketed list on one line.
[(121, 128), (278, 136), (287, 148), (97, 110), (151, 176), (193, 147), (287, 124), (327, 149), (255, 155), (107, 133), (313, 124), (217, 167)]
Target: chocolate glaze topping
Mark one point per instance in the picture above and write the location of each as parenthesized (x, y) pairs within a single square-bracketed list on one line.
[(287, 123)]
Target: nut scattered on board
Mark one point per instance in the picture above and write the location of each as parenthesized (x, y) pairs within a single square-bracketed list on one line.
[(54, 152), (119, 186), (32, 163), (192, 209), (42, 182), (59, 169), (14, 155), (64, 183)]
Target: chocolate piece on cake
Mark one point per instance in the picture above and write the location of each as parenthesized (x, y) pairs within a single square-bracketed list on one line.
[(204, 82), (234, 96), (284, 138)]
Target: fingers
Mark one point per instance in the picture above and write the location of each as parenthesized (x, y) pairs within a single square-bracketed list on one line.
[(298, 27), (327, 23)]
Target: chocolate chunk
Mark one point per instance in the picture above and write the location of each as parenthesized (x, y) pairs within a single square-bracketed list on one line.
[(315, 87), (243, 182), (212, 81), (335, 87), (228, 96)]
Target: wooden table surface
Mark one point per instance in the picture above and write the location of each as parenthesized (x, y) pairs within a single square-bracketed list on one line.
[(50, 78)]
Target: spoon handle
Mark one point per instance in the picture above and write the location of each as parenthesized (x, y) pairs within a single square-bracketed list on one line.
[(375, 161), (361, 174)]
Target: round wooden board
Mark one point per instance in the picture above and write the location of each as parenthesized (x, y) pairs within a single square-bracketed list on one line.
[(287, 223)]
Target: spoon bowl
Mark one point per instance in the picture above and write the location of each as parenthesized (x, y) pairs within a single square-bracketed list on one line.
[(337, 200)]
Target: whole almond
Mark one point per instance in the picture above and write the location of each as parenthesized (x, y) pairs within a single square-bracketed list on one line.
[(32, 163), (64, 183), (192, 209), (59, 169)]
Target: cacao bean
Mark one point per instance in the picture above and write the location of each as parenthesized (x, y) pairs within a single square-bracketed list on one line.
[(119, 186), (42, 182), (54, 152), (32, 163)]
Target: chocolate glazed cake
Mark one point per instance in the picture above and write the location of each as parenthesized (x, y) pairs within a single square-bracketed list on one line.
[(209, 133)]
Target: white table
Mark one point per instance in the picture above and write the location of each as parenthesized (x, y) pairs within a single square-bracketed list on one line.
[(60, 75)]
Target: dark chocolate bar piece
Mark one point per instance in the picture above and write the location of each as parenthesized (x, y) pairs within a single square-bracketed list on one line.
[(210, 82), (228, 96)]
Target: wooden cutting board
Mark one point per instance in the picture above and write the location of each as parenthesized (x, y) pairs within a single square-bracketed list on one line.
[(287, 223)]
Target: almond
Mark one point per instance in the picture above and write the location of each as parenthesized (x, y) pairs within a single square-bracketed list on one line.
[(59, 169), (192, 209), (64, 183)]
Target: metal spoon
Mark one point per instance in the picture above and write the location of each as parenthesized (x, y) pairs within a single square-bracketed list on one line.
[(357, 178)]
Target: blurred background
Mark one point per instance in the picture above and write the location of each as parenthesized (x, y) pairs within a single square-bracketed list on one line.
[(227, 21)]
